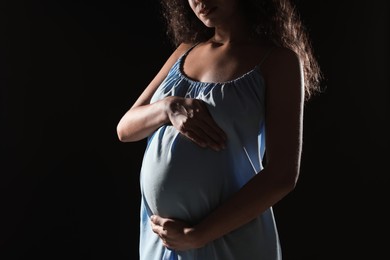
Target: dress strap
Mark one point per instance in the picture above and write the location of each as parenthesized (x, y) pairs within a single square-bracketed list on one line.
[(189, 49), (265, 56)]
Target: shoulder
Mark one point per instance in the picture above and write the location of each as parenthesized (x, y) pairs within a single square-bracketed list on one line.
[(282, 61), (175, 55), (281, 58), (283, 73), (181, 49)]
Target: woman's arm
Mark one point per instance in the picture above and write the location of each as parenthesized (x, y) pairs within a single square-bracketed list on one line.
[(189, 116), (143, 118), (284, 118)]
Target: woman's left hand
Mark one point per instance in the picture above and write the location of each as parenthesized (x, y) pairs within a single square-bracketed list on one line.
[(174, 234)]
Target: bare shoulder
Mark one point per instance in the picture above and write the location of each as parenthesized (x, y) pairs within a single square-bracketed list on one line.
[(282, 61), (147, 94), (180, 50), (281, 58), (283, 72), (183, 47)]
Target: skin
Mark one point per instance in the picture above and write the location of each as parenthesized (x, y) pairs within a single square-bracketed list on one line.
[(230, 53)]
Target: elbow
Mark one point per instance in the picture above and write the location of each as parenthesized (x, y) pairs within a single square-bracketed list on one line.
[(121, 138), (283, 186), (284, 179), (290, 184), (289, 180), (126, 135), (121, 134), (285, 172)]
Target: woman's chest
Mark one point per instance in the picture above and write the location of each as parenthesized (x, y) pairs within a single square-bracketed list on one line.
[(218, 64)]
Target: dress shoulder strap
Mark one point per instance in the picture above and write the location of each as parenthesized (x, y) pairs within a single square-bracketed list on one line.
[(265, 56), (189, 49)]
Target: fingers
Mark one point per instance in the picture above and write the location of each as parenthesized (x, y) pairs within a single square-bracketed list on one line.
[(201, 127), (157, 224), (156, 219), (173, 233), (193, 119), (205, 136)]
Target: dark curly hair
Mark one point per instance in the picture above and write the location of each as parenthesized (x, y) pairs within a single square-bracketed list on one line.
[(274, 20)]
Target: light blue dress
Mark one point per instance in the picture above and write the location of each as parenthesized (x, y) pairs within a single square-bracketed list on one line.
[(181, 180)]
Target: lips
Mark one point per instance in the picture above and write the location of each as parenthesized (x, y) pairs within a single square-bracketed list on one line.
[(206, 10)]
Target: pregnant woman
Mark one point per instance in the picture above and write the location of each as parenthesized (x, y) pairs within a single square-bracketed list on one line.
[(223, 118)]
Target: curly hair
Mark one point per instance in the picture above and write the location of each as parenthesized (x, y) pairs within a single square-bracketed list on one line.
[(274, 20)]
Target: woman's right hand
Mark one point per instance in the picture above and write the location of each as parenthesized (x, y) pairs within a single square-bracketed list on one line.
[(192, 119)]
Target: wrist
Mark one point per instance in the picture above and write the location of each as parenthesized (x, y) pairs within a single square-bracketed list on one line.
[(172, 107), (197, 237), (167, 109)]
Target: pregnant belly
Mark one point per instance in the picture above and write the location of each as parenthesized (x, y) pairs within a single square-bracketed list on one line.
[(182, 180)]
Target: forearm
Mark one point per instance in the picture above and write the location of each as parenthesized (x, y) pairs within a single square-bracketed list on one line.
[(139, 122), (259, 194)]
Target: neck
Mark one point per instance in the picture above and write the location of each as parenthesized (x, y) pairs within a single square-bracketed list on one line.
[(236, 31), (231, 38)]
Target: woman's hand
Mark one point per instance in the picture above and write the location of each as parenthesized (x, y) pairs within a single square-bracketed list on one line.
[(174, 234), (192, 119)]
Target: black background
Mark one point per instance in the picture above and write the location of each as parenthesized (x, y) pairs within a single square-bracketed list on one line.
[(69, 188)]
